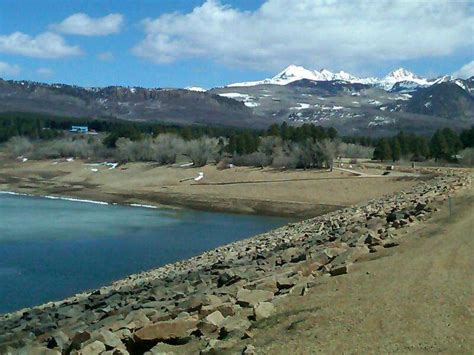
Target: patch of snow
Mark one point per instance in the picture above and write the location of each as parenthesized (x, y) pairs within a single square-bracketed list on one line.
[(381, 121), (235, 95), (195, 88), (251, 104), (301, 106), (461, 85), (374, 102)]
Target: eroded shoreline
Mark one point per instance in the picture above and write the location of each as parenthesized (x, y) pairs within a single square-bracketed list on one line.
[(300, 194)]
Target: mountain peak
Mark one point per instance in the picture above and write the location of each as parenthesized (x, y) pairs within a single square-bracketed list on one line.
[(401, 74), (293, 71)]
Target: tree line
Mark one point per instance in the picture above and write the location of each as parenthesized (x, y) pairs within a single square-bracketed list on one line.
[(248, 144), (444, 144)]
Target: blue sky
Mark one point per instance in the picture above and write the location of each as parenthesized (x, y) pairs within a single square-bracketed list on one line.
[(178, 43)]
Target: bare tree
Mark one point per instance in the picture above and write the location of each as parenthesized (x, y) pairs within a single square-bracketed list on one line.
[(18, 146), (168, 147), (201, 150)]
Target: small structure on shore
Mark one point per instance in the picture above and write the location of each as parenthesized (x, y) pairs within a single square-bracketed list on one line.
[(79, 129)]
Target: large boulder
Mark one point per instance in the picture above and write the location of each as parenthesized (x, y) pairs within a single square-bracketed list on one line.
[(177, 330), (263, 310), (249, 298), (211, 323)]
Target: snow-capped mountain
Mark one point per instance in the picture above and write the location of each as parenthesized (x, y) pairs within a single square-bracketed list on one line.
[(295, 72), (404, 76), (398, 80)]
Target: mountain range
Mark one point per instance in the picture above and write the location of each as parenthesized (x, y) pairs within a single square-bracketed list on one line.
[(353, 105), (404, 78)]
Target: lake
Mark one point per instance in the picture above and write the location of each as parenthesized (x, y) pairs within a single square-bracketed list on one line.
[(51, 249)]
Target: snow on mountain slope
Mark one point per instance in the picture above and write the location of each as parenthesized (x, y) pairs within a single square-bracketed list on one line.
[(195, 88), (401, 75), (399, 79)]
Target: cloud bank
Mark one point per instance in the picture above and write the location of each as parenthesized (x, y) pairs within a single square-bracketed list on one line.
[(44, 45), (82, 24), (9, 69), (466, 71), (45, 72), (326, 33)]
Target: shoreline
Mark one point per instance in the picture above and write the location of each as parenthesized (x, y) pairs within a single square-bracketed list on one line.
[(242, 190), (283, 262), (74, 199)]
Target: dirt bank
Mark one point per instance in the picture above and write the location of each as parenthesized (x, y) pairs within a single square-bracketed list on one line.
[(243, 190)]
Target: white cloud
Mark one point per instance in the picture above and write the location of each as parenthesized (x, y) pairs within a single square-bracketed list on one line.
[(45, 72), (466, 71), (82, 24), (44, 45), (105, 56), (327, 33), (9, 69)]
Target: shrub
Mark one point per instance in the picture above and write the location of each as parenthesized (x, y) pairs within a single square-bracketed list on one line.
[(168, 147), (201, 150), (17, 146), (257, 159), (467, 157)]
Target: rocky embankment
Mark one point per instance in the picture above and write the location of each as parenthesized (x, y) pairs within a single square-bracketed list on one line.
[(213, 300)]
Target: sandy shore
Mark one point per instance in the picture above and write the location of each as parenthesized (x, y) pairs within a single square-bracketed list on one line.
[(241, 190)]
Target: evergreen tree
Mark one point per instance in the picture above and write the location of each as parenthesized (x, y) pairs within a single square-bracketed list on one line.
[(439, 146), (382, 150), (467, 137), (396, 150)]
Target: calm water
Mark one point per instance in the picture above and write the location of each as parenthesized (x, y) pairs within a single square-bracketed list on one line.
[(51, 249)]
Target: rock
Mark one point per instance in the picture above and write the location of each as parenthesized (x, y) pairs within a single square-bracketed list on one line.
[(211, 323), (234, 325), (215, 346), (78, 339), (96, 347), (375, 224), (339, 270), (192, 304), (249, 298), (177, 330), (58, 340), (116, 352), (263, 310), (228, 278), (292, 255), (162, 349), (390, 244), (249, 350), (284, 282), (227, 309), (109, 339), (36, 350), (332, 252), (393, 216)]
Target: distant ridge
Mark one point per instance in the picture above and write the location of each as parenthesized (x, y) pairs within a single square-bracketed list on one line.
[(293, 73)]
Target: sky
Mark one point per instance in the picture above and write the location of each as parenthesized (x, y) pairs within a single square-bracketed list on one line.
[(209, 43)]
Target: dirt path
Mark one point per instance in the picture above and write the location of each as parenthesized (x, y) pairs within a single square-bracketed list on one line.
[(416, 298)]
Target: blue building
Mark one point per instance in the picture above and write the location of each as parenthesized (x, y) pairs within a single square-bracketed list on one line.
[(79, 129)]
